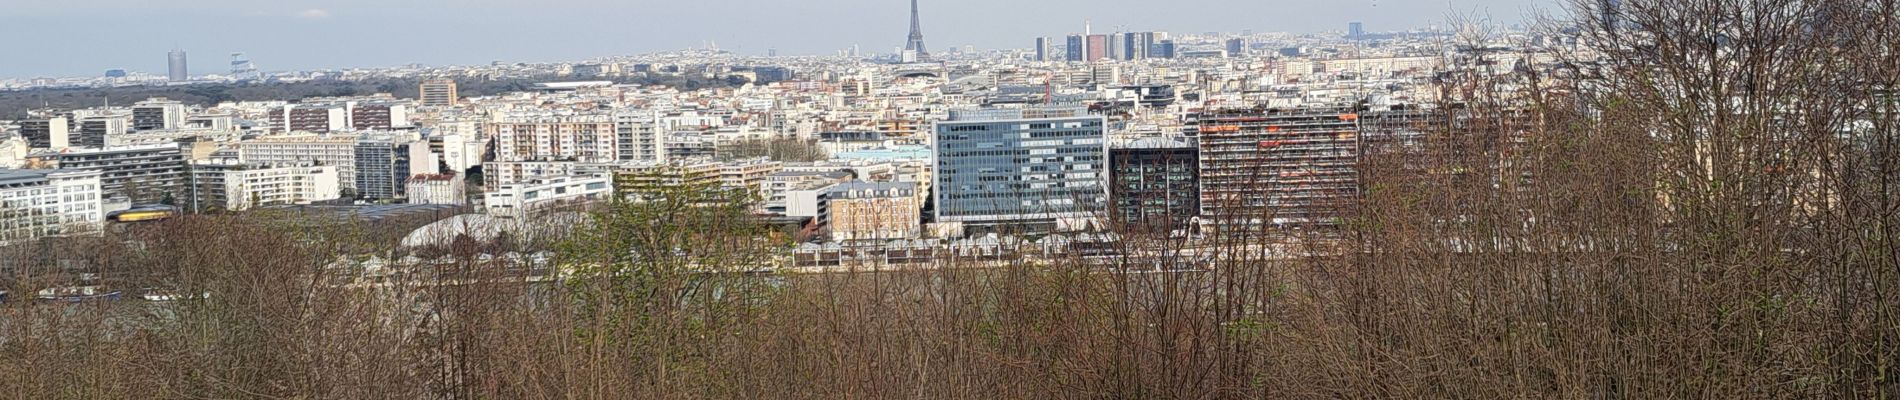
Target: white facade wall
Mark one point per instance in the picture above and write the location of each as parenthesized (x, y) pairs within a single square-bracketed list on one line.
[(463, 151), (498, 174), (538, 194), (335, 152), (245, 189), (49, 203), (575, 139), (438, 191)]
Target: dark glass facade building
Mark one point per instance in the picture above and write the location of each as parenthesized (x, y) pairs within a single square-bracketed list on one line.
[(143, 175), (1076, 47), (1154, 184), (382, 169)]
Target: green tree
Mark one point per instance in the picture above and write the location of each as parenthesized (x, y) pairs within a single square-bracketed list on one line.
[(672, 268)]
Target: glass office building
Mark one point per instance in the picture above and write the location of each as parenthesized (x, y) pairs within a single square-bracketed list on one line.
[(1154, 183), (1033, 170)]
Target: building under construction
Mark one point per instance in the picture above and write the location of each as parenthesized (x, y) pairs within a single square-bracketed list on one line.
[(1299, 167)]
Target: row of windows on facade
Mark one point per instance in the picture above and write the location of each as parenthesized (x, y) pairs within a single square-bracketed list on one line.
[(16, 208), (1020, 127), (1045, 167), (46, 201), (870, 194), (1035, 174), (1126, 203), (1028, 183), (48, 213), (46, 191), (1053, 195), (1029, 147), (1134, 178), (561, 190), (1008, 135), (1031, 178), (968, 208), (951, 139), (1152, 169), (1026, 160)]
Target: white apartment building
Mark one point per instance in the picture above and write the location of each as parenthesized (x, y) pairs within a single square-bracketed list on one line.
[(13, 152), (321, 150), (437, 189), (542, 194), (748, 174), (41, 203), (779, 186), (239, 187), (810, 200), (591, 138), (498, 174), (640, 138), (460, 151)]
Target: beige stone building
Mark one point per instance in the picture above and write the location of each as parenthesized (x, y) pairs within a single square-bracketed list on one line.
[(874, 211)]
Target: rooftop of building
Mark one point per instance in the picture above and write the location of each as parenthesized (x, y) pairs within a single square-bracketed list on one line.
[(1151, 142), (877, 187), (78, 151), (886, 153), (303, 137), (571, 85), (432, 177), (24, 176), (482, 227), (1007, 114), (13, 175), (822, 174)]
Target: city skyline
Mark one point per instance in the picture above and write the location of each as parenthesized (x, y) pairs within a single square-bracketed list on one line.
[(365, 34)]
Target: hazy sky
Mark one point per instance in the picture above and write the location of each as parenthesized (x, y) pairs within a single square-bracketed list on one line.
[(86, 37)]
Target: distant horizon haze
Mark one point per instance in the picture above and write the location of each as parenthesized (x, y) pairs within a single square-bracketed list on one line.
[(76, 38)]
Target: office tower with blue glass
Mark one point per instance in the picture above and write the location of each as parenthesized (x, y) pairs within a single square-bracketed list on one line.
[(1138, 45), (1020, 171), (1075, 48)]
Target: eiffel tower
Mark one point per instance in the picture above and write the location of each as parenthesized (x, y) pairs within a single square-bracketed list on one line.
[(916, 43)]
